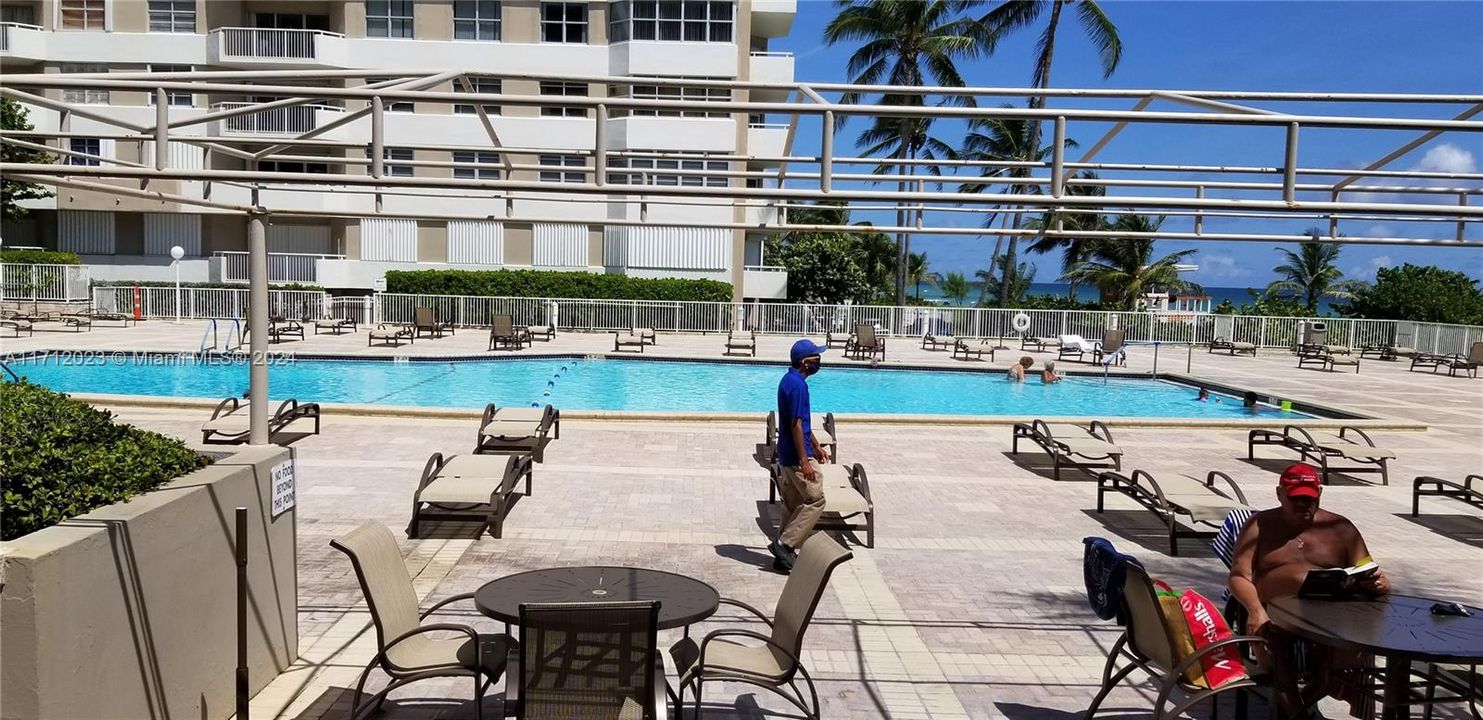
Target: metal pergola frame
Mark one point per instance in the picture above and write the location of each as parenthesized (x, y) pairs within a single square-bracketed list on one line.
[(922, 200)]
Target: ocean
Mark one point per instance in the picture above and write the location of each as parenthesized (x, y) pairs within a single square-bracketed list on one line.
[(1085, 293)]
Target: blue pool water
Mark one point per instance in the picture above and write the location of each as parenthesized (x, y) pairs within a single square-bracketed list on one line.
[(597, 384)]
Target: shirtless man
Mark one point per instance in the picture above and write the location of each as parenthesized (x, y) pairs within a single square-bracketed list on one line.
[(1273, 554)]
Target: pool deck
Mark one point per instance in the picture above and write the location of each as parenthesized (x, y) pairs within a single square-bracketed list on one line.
[(971, 605)]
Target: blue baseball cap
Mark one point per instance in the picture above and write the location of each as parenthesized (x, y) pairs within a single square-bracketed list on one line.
[(804, 348)]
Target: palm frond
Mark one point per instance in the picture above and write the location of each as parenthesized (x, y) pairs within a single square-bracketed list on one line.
[(1103, 34)]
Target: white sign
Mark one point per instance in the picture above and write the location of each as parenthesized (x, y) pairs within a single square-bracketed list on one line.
[(379, 284), (282, 477)]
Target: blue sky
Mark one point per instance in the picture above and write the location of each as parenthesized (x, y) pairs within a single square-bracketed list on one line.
[(1411, 47)]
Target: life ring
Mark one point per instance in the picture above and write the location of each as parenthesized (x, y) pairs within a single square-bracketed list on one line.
[(1021, 322)]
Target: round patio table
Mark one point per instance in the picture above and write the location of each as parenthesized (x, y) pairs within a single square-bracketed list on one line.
[(1399, 628), (683, 601)]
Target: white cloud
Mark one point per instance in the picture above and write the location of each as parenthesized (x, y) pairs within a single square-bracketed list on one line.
[(1448, 158), (1378, 230), (1221, 266), (1381, 261)]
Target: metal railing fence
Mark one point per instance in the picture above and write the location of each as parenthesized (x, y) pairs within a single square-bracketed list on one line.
[(282, 267), (207, 303), (46, 282)]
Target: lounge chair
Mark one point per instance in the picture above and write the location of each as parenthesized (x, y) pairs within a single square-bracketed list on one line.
[(1109, 347), (846, 496), (775, 663), (1324, 357), (1232, 347), (1065, 443), (403, 649), (1039, 344), (973, 348), (507, 430), (1387, 351), (823, 427), (504, 332), (97, 315), (391, 335), (1318, 446), (645, 334), (334, 325), (231, 420), (1147, 645), (628, 339), (77, 321), (460, 485), (280, 328), (544, 334), (737, 341), (424, 321), (18, 326), (1174, 497), (597, 660), (935, 343), (1468, 364), (865, 344), (1429, 486), (837, 340)]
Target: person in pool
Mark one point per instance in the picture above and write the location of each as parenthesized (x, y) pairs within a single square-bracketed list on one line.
[(1048, 375), (1017, 370), (1248, 401), (1204, 395)]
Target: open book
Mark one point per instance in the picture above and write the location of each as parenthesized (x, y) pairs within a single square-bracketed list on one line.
[(1336, 582)]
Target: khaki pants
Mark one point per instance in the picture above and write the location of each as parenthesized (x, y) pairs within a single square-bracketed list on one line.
[(803, 503)]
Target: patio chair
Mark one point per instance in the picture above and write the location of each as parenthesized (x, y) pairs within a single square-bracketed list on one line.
[(1147, 645), (589, 660), (837, 340), (403, 648), (1319, 446), (645, 334), (75, 320), (504, 332), (1038, 344), (424, 321), (1428, 486), (737, 341), (628, 339), (1386, 351), (865, 344), (1110, 346), (231, 420), (18, 326), (824, 428), (1177, 497), (97, 315), (1232, 347), (518, 430), (966, 349), (935, 343), (846, 497), (281, 327), (1324, 357), (392, 335), (544, 334), (334, 326), (1468, 364), (775, 663), (458, 485), (1089, 448)]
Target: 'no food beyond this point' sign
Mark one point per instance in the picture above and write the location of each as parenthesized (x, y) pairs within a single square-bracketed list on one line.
[(282, 476)]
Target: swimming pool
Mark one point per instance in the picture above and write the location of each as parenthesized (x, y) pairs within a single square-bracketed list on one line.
[(574, 383)]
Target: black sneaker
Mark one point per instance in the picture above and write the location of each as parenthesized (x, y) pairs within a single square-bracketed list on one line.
[(782, 559)]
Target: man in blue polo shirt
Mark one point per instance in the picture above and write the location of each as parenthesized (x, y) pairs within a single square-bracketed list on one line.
[(802, 491)]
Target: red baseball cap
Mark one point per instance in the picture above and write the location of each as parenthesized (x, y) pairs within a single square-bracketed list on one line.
[(1301, 480)]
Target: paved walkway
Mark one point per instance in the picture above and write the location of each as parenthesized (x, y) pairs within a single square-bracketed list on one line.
[(971, 605)]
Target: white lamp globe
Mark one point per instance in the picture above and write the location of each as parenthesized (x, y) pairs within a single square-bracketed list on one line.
[(177, 252)]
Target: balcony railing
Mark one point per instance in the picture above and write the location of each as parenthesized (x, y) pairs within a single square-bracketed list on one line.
[(280, 121), (270, 44), (6, 28), (282, 267)]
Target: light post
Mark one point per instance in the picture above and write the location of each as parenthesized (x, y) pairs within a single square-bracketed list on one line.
[(177, 253)]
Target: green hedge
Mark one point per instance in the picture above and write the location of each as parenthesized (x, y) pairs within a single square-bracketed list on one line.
[(551, 284), (39, 257), (218, 285), (62, 458)]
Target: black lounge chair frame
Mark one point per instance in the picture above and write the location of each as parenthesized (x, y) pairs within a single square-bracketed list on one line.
[(1428, 486), (1297, 439), (494, 511), (832, 520), (1039, 433), (288, 411), (1143, 489)]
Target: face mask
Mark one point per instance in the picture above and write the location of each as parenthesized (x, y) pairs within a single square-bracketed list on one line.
[(809, 368)]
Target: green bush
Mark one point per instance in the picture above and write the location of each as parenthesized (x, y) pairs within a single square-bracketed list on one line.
[(1054, 302), (39, 257), (62, 458), (549, 284), (214, 285), (1425, 293)]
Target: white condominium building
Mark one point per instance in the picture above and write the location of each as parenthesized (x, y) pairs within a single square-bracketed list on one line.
[(359, 235)]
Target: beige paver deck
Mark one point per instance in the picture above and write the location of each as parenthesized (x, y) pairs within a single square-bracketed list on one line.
[(971, 605)]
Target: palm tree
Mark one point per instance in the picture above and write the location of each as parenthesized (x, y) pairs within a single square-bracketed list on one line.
[(917, 273), (1001, 140), (955, 288), (1123, 269), (1073, 249), (905, 42), (1312, 273)]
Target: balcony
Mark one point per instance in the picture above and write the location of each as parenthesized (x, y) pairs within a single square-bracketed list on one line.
[(773, 18), (231, 266), (277, 121), (764, 282), (771, 67), (766, 140), (21, 41), (271, 47)]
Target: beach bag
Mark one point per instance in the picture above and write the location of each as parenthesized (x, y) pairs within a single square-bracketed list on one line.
[(1203, 622), (1178, 629)]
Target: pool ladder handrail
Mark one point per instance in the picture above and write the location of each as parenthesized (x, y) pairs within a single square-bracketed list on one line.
[(211, 332), (13, 377)]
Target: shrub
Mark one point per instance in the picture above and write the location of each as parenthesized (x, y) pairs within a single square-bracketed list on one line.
[(39, 257), (1054, 302), (62, 458), (1424, 293), (550, 284)]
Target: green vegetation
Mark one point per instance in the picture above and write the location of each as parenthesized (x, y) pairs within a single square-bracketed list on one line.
[(14, 116), (832, 267), (1263, 305), (62, 458), (1424, 293), (39, 257), (1311, 273), (547, 284), (955, 288), (1123, 269)]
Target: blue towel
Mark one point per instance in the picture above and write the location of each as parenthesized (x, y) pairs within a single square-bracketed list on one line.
[(1103, 569)]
